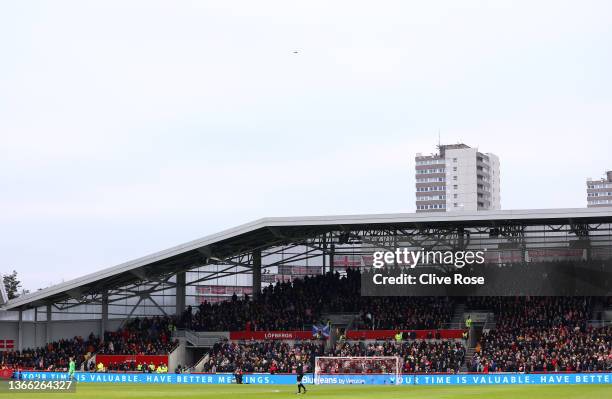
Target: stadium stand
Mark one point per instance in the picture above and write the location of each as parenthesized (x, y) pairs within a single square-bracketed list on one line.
[(269, 356), (544, 333), (54, 356), (282, 306), (419, 356), (536, 349), (401, 313), (298, 305), (531, 334), (512, 312), (149, 336), (541, 334)]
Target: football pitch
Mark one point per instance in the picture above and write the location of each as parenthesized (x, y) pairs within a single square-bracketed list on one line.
[(141, 391)]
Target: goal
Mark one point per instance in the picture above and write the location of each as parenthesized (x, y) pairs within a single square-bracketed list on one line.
[(358, 370)]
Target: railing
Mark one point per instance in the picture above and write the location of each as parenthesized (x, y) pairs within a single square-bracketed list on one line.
[(452, 326), (179, 333), (599, 323), (198, 367), (205, 339)]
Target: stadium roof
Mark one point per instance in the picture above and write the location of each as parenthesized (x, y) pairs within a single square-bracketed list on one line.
[(270, 232)]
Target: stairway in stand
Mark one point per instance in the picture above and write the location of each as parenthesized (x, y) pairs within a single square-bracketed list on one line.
[(468, 356), (458, 320)]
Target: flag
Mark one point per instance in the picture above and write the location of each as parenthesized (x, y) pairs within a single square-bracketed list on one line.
[(315, 330), (324, 330)]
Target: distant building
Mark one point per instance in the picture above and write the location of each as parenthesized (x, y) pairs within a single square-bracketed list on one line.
[(457, 178), (599, 192)]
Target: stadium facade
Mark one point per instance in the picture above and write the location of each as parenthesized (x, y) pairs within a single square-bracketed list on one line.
[(275, 249)]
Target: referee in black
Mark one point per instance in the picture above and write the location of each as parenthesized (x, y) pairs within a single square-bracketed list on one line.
[(300, 375)]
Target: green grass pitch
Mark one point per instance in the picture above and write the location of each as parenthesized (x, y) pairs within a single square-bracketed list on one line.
[(142, 391)]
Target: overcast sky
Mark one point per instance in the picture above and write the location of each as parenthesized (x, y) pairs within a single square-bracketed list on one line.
[(130, 126)]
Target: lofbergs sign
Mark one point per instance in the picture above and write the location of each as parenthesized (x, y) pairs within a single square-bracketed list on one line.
[(261, 335), (278, 335)]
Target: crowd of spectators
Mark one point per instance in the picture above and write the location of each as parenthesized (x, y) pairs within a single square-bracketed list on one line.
[(299, 304), (405, 313), (541, 334), (134, 366), (513, 312), (283, 306), (537, 349), (265, 356), (418, 356), (531, 334), (53, 356), (148, 336), (333, 365)]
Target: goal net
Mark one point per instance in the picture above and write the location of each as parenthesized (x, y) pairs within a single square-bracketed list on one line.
[(358, 370)]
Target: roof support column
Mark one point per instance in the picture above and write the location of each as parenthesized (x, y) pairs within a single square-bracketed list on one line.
[(36, 326), (332, 254), (180, 293), (20, 331), (104, 318), (461, 238), (256, 273), (324, 255), (48, 325)]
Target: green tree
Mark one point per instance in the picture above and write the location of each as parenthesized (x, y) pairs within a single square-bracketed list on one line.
[(11, 284)]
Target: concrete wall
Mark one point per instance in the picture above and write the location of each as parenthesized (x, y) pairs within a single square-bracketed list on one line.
[(9, 330), (35, 334), (178, 356)]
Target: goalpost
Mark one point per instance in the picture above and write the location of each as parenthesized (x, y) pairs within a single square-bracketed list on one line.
[(374, 369)]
